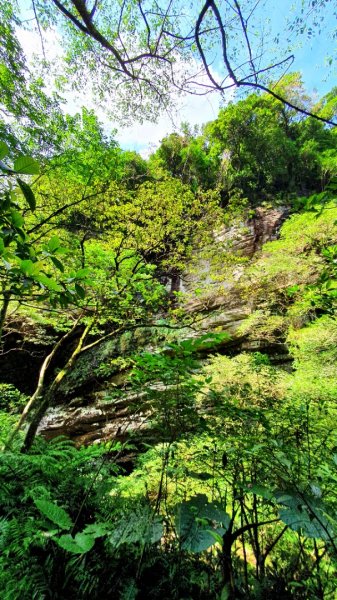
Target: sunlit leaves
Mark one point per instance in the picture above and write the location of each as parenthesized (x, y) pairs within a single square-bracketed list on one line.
[(26, 165), (28, 193), (3, 150)]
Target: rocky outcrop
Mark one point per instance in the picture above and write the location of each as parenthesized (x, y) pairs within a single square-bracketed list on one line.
[(84, 411), (240, 241), (246, 237), (99, 421)]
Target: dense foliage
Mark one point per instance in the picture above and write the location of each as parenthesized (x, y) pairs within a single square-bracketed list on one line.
[(127, 294)]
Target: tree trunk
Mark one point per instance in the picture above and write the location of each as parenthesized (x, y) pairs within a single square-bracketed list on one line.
[(4, 308), (49, 395), (39, 388), (227, 565)]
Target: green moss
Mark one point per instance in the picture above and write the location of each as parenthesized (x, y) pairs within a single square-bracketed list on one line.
[(314, 348), (264, 325)]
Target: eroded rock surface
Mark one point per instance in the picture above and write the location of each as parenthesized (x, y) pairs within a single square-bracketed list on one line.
[(247, 237), (91, 418), (100, 421)]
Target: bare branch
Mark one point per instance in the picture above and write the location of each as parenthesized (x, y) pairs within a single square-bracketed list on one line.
[(70, 16), (134, 66), (39, 28), (245, 33)]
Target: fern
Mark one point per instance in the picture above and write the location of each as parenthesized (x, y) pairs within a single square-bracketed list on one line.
[(40, 493)]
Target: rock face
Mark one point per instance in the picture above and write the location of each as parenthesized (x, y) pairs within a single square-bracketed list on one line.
[(248, 237), (223, 306), (90, 419), (100, 421)]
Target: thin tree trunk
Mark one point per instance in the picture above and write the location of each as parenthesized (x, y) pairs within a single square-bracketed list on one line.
[(40, 385), (227, 565), (50, 393), (4, 308)]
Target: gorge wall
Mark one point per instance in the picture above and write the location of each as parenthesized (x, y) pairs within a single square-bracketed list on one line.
[(94, 401), (89, 409)]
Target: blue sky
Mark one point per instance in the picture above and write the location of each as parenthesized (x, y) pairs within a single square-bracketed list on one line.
[(311, 52)]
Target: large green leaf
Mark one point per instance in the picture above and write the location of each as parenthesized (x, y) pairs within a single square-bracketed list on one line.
[(28, 193), (305, 514), (84, 540), (3, 150), (138, 527), (26, 165), (196, 522), (54, 513), (80, 544)]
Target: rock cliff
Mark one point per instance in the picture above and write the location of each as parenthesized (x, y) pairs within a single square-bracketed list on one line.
[(86, 411)]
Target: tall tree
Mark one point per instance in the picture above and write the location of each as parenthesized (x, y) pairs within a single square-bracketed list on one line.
[(267, 148)]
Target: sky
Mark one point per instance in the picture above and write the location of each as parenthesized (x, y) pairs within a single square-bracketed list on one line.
[(141, 137), (311, 55), (311, 51)]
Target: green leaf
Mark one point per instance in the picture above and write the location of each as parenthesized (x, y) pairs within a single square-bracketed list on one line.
[(218, 538), (193, 519), (202, 476), (57, 263), (17, 218), (97, 529), (3, 150), (225, 594), (82, 273), (53, 244), (54, 513), (80, 291), (26, 165), (259, 490), (316, 490), (28, 194), (79, 545), (21, 233), (304, 514), (85, 541), (137, 527), (49, 283), (29, 268)]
